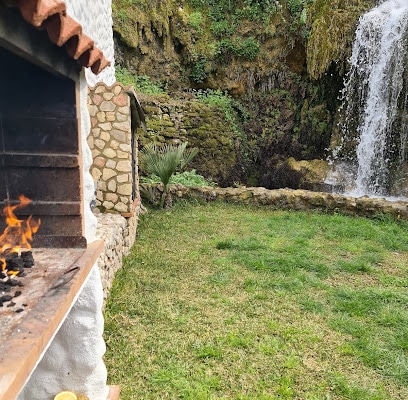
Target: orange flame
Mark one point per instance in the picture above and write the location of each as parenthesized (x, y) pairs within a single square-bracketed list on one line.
[(18, 233)]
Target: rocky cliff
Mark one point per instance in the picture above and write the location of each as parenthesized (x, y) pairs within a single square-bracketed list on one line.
[(282, 62)]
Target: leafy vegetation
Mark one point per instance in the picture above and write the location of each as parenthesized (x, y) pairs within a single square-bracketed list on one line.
[(199, 68), (252, 303), (163, 161), (224, 102), (185, 178), (296, 6), (247, 49), (233, 12), (142, 84), (196, 21)]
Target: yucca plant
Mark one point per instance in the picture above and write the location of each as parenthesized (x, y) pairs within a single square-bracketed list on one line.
[(164, 161)]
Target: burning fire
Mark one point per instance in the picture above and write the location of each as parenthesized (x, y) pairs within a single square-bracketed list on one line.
[(18, 233)]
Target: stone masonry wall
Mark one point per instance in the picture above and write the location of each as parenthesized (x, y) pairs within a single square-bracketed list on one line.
[(111, 144), (118, 234), (290, 199), (202, 125)]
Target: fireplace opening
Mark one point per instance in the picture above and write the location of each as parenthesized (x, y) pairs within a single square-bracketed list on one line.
[(39, 150)]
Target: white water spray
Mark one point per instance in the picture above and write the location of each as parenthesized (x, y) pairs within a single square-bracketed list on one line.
[(375, 97)]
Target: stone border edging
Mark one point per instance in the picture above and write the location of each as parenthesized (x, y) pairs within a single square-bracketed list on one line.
[(298, 199)]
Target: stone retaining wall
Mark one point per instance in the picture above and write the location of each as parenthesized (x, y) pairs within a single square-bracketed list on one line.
[(290, 199), (202, 125), (118, 234)]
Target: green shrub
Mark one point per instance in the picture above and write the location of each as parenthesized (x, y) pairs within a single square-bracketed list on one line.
[(225, 49), (186, 178), (199, 68), (195, 20), (260, 9), (141, 83), (249, 49), (298, 11), (222, 28)]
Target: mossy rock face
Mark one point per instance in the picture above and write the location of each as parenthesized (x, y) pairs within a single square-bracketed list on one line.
[(291, 121), (312, 172), (176, 43), (289, 88), (333, 24), (201, 125), (148, 38)]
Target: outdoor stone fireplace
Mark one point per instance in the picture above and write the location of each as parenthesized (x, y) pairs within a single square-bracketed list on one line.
[(52, 333), (40, 149)]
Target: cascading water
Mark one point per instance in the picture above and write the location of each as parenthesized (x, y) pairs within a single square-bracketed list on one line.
[(375, 99)]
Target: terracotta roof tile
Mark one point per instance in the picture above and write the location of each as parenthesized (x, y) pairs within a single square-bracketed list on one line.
[(63, 31), (79, 45), (94, 55), (60, 29), (100, 65), (36, 11)]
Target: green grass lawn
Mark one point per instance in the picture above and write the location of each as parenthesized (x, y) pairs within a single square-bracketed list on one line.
[(220, 301)]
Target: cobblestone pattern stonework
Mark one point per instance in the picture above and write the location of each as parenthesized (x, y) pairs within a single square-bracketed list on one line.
[(111, 144), (119, 234)]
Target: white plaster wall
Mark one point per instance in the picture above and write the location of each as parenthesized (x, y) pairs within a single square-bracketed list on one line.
[(88, 185), (73, 361), (95, 16)]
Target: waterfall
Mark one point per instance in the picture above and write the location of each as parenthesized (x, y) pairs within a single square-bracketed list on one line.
[(375, 100)]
